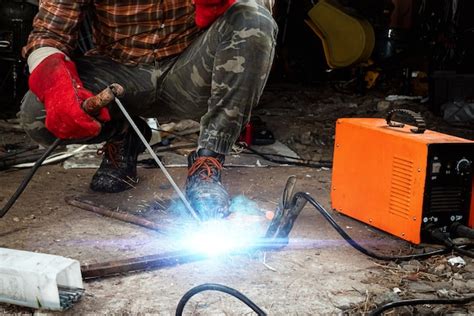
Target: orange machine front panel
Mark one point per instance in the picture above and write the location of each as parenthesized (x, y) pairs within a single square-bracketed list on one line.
[(379, 175)]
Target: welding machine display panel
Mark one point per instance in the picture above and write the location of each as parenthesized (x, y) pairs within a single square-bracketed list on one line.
[(448, 184)]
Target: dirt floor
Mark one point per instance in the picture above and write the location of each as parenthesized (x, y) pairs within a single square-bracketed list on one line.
[(318, 273)]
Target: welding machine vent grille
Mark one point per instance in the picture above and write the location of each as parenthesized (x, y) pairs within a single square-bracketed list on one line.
[(446, 199), (400, 189)]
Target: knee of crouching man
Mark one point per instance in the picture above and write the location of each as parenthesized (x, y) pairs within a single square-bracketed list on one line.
[(252, 14)]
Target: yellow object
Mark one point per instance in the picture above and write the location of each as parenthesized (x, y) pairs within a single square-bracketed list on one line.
[(347, 39), (370, 78)]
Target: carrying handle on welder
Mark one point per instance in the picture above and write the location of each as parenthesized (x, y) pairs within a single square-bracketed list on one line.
[(417, 118)]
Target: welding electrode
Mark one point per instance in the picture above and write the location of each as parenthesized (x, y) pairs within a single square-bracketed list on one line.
[(157, 160)]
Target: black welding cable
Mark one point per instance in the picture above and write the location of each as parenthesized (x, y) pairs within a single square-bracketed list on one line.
[(464, 252), (216, 287), (299, 162), (447, 301), (28, 177), (356, 245), (462, 231), (442, 238)]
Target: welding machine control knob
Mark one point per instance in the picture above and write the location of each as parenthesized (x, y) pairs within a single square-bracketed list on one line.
[(463, 166)]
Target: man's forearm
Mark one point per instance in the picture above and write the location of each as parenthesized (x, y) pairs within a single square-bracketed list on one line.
[(55, 26)]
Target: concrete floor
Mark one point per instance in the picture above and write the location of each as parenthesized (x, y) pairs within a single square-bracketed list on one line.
[(326, 277), (58, 228)]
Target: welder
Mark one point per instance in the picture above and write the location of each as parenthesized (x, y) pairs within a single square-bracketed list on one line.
[(194, 59)]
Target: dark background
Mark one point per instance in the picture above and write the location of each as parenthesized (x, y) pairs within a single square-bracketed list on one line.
[(434, 37)]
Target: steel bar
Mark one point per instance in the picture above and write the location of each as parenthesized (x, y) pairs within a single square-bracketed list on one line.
[(125, 217), (167, 259)]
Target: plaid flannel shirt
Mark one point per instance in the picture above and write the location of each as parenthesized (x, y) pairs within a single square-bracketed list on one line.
[(128, 31)]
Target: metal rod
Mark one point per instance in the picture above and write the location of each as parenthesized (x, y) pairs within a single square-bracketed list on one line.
[(158, 161), (125, 217), (167, 259)]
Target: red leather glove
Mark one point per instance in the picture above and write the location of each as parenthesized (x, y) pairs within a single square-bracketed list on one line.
[(207, 11), (57, 85)]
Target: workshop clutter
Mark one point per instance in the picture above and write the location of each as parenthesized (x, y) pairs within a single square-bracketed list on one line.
[(347, 39), (39, 280)]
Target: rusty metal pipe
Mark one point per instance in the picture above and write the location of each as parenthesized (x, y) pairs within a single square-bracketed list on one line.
[(124, 217), (166, 260), (111, 268)]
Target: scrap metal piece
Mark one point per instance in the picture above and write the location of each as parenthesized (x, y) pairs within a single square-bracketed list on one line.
[(125, 217), (167, 259), (69, 295), (39, 280)]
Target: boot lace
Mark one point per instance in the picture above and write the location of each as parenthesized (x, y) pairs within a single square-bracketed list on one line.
[(112, 151), (206, 166)]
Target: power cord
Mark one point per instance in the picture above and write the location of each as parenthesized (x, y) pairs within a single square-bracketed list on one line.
[(28, 177), (378, 311), (298, 161), (442, 238), (217, 287), (356, 245), (438, 301)]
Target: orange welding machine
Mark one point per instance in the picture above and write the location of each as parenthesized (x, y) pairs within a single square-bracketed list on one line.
[(402, 179)]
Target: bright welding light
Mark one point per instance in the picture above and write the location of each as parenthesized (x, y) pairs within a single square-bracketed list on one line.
[(218, 237), (235, 233)]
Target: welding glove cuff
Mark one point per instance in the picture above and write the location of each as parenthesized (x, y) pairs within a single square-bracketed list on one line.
[(56, 83), (207, 11)]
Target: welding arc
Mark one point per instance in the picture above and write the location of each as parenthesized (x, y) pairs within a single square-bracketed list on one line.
[(217, 287), (447, 301), (158, 161), (28, 177), (353, 243)]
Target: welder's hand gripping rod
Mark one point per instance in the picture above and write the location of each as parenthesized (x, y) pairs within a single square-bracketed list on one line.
[(117, 90), (91, 106)]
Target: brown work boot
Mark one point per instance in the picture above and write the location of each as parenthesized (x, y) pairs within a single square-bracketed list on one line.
[(204, 189), (118, 170)]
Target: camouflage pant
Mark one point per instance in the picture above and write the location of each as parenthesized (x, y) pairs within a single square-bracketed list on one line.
[(218, 79)]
